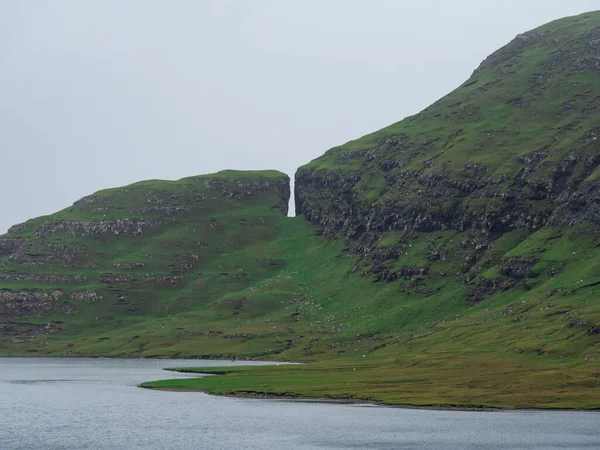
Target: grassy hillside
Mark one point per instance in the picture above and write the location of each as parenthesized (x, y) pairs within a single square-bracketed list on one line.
[(531, 346), (136, 270), (448, 259), (476, 223)]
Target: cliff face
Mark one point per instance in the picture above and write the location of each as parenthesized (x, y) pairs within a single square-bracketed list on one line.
[(516, 147)]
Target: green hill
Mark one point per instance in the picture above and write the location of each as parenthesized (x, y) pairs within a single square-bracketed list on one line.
[(135, 270), (450, 258)]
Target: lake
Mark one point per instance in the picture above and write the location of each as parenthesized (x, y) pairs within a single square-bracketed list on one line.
[(68, 403)]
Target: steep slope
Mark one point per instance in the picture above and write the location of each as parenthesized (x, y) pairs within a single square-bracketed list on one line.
[(514, 147), (493, 165)]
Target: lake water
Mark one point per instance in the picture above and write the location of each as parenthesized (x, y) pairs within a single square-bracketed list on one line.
[(55, 403)]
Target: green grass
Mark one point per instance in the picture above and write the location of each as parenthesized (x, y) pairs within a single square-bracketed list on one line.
[(491, 381), (268, 287), (253, 283)]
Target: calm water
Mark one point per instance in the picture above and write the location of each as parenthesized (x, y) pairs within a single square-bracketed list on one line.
[(51, 403)]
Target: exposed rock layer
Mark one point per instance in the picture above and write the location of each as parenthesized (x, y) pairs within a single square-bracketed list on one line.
[(498, 154), (34, 302)]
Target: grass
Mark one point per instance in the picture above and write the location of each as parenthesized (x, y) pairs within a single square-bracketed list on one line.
[(267, 287), (492, 381), (253, 283)]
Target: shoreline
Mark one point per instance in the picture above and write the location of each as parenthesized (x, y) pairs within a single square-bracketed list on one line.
[(371, 403), (158, 358), (344, 401), (296, 397), (354, 401)]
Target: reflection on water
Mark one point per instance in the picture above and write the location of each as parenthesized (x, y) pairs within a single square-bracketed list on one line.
[(52, 404)]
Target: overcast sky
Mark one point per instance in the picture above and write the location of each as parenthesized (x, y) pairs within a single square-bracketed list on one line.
[(97, 94)]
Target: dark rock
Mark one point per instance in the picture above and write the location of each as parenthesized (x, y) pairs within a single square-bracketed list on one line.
[(90, 200), (131, 227), (518, 45), (583, 204), (10, 245), (19, 228), (85, 296), (517, 267), (409, 272), (34, 302), (487, 288), (183, 267), (129, 266), (576, 323), (23, 332), (68, 308), (43, 278), (167, 210), (115, 278), (52, 254)]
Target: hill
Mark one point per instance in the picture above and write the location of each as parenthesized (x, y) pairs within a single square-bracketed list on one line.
[(112, 273), (449, 258)]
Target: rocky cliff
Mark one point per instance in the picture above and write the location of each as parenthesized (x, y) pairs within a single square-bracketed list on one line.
[(515, 147)]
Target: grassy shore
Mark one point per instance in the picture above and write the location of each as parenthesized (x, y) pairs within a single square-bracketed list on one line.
[(487, 381)]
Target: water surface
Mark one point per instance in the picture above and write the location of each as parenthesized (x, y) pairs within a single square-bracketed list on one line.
[(64, 403)]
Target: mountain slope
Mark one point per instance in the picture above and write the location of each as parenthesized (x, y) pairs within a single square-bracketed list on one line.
[(450, 258), (479, 217), (514, 147), (481, 181), (124, 260)]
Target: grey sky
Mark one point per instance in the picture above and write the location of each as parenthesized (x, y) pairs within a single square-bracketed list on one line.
[(96, 94)]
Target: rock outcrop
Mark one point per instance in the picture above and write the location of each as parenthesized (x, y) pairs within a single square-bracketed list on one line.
[(32, 253), (129, 266), (131, 227), (20, 228), (85, 296), (8, 246), (117, 278), (460, 165), (45, 278), (34, 302)]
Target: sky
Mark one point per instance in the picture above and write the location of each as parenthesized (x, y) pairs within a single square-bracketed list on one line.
[(98, 94)]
